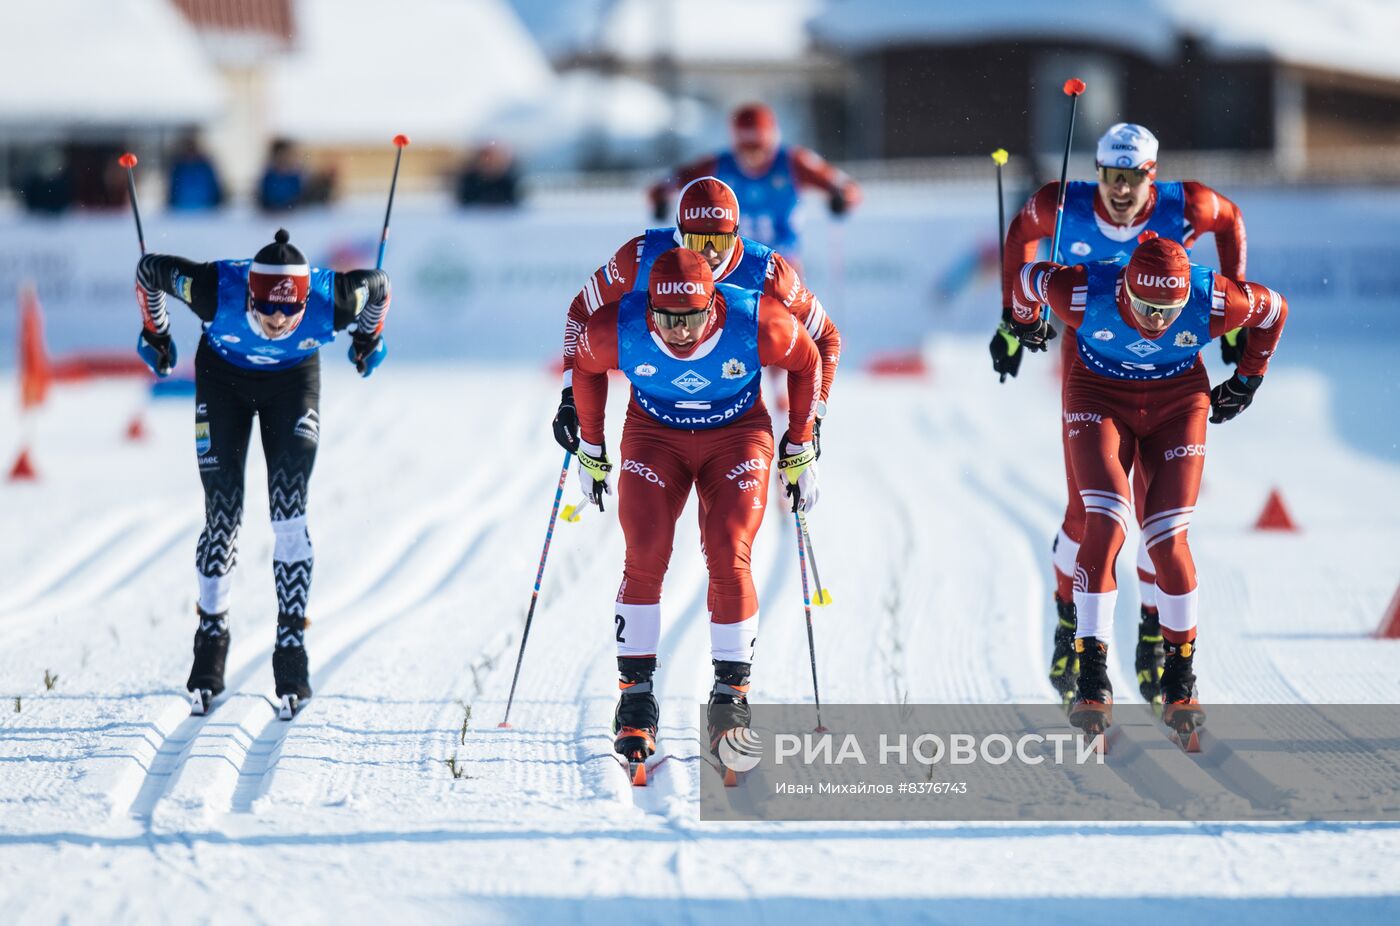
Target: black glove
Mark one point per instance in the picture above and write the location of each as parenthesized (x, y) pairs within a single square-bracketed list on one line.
[(659, 209), (1033, 335), (1233, 344), (837, 204), (1006, 350), (158, 351), (566, 421), (1232, 397)]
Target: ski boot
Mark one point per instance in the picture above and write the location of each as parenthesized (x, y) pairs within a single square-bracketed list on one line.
[(1150, 658), (637, 715), (1064, 662), (289, 666), (1092, 710), (729, 716), (1180, 709), (210, 652)]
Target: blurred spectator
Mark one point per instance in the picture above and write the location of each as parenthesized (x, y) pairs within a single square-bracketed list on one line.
[(48, 186), (194, 184), (280, 188), (489, 178)]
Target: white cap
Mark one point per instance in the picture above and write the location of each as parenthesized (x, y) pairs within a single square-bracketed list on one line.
[(1127, 145)]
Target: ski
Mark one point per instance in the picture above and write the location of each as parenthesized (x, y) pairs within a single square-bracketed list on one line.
[(639, 767), (289, 706), (1093, 719), (201, 702), (1184, 722)]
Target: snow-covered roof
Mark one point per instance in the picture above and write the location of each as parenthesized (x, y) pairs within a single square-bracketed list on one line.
[(1355, 36), (118, 62), (436, 70), (690, 31)]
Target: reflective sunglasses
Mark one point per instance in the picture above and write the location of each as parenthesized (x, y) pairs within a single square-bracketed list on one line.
[(694, 320), (700, 241), (1154, 310), (1132, 176)]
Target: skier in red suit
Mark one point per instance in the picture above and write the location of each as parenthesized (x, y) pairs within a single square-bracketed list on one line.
[(1137, 387), (693, 351), (1105, 219), (767, 176)]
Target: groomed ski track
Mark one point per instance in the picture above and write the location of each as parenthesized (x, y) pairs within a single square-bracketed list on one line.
[(432, 489)]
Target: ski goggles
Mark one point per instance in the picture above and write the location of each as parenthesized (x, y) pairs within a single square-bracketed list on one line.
[(693, 320), (272, 308), (1167, 313), (1132, 176), (722, 242)]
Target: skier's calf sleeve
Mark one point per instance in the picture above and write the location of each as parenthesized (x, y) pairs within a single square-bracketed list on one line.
[(1094, 611), (1177, 612), (293, 543), (1064, 553), (638, 628), (214, 592), (734, 642)]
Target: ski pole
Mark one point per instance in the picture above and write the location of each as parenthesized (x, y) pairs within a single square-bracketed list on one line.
[(1000, 157), (128, 161), (400, 142), (823, 596), (1073, 88), (539, 577), (807, 607)]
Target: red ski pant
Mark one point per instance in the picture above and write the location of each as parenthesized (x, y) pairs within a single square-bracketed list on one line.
[(1163, 423), (1073, 524), (729, 467)]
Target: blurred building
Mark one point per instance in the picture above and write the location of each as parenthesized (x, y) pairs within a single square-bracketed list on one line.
[(81, 82), (717, 54), (1312, 86)]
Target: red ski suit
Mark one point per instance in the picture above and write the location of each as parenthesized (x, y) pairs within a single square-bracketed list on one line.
[(617, 277), (728, 465), (1162, 422), (1205, 211)]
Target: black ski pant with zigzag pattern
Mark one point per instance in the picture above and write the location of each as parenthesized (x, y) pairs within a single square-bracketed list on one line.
[(287, 405)]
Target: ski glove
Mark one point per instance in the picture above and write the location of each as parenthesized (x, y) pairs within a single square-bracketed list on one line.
[(566, 421), (158, 351), (1232, 397), (1232, 345), (1033, 336), (594, 471), (1006, 350), (367, 354), (798, 466)]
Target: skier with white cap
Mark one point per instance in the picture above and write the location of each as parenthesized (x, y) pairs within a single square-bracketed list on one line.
[(1107, 219)]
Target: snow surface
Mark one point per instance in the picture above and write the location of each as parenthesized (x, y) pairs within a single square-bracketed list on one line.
[(432, 490), (437, 70)]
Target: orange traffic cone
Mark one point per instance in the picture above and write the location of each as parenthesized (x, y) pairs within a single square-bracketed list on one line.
[(1390, 624), (23, 470), (1275, 516)]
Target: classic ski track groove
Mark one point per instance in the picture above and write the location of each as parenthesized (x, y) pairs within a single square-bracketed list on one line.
[(251, 751)]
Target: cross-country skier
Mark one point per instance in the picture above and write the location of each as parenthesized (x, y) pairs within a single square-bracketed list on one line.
[(1137, 387), (1103, 220), (708, 222), (265, 321), (692, 350), (768, 177)]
